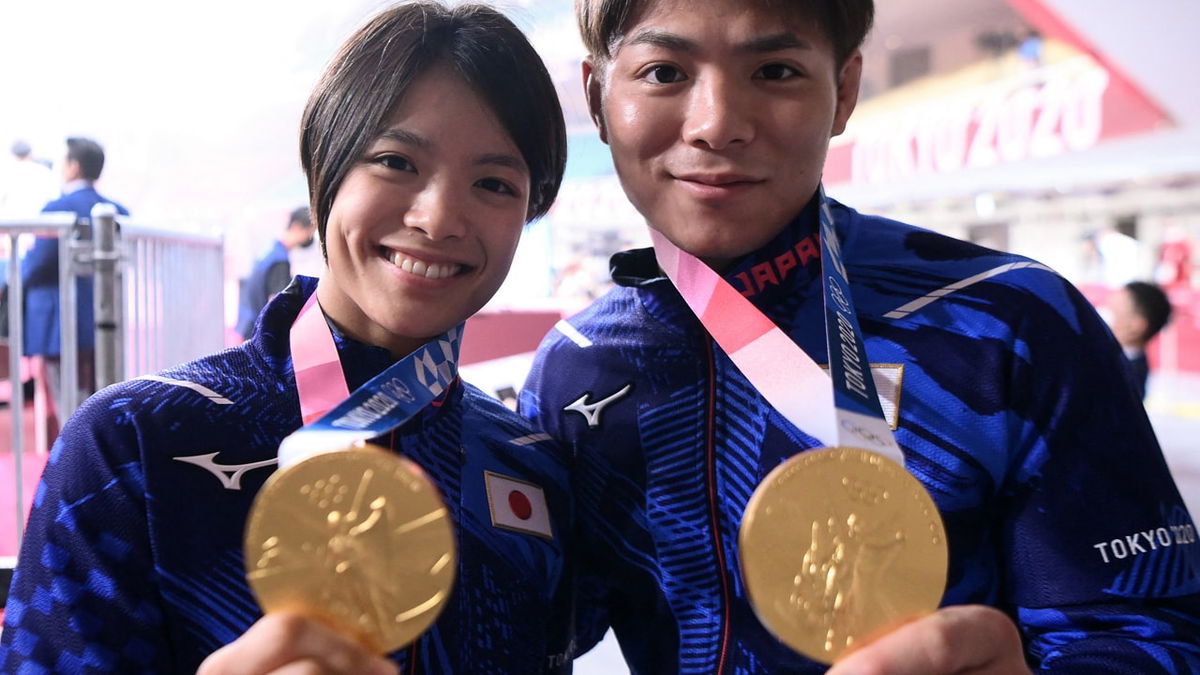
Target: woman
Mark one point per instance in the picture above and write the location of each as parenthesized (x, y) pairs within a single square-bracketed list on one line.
[(432, 138)]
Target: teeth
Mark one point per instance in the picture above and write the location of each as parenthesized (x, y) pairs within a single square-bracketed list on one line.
[(424, 269)]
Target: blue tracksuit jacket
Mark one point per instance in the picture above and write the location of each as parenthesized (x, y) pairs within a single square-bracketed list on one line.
[(1010, 400)]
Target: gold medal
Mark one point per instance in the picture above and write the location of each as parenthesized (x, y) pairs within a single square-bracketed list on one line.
[(839, 545), (359, 539)]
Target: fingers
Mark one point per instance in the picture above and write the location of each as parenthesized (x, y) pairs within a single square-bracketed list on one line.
[(965, 639), (292, 644)]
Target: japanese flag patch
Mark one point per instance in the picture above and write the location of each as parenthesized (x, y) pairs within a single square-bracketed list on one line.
[(517, 505)]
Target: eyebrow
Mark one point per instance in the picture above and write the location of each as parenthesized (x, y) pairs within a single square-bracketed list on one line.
[(402, 136), (502, 159), (773, 42)]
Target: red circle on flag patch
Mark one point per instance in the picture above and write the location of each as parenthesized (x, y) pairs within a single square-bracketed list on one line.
[(519, 503)]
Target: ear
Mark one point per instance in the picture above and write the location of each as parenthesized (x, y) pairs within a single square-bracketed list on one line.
[(593, 89), (849, 79)]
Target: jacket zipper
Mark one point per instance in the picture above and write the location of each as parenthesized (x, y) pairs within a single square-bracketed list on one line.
[(710, 441)]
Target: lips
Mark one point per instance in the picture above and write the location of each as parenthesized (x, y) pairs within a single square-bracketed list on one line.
[(717, 179), (716, 186), (423, 268)]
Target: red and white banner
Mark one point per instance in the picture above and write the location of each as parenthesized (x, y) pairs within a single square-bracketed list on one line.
[(1065, 107)]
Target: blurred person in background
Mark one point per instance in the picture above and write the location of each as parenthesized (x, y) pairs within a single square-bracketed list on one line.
[(1174, 266), (1114, 257), (273, 271), (431, 140), (1139, 310), (81, 168), (1031, 49)]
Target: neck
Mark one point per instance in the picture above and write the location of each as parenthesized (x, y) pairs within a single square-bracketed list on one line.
[(75, 185), (352, 322)]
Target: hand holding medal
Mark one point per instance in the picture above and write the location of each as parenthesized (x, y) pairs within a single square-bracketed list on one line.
[(841, 544), (838, 546)]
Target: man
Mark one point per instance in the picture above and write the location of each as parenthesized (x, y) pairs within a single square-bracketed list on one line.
[(39, 269), (1007, 392), (273, 271), (1139, 312)]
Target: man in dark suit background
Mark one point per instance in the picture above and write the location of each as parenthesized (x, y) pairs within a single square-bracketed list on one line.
[(39, 270), (1139, 311), (273, 271)]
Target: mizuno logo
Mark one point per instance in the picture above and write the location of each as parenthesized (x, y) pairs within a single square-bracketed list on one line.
[(230, 475), (591, 411)]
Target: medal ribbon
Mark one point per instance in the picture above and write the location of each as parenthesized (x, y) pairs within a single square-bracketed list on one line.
[(335, 418), (846, 414)]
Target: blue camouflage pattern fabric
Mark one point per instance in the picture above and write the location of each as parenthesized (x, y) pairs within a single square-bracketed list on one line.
[(132, 561), (1015, 411)]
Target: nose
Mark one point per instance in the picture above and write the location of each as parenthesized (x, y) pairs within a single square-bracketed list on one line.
[(436, 212), (719, 115)]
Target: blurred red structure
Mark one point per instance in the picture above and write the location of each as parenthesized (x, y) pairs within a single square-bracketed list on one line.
[(494, 335)]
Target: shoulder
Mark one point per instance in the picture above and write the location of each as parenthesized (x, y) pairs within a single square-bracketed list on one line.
[(624, 317), (875, 240), (76, 202), (898, 268), (581, 339), (59, 204), (218, 380), (511, 436), (158, 414), (497, 421), (97, 198)]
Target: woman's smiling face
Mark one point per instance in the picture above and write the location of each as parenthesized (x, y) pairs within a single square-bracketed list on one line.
[(424, 227)]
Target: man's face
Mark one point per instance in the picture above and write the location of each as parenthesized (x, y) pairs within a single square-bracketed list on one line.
[(1127, 325), (311, 236), (71, 170), (718, 114)]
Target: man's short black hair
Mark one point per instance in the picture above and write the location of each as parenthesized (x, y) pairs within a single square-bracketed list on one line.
[(301, 216), (844, 22), (1152, 304), (89, 154)]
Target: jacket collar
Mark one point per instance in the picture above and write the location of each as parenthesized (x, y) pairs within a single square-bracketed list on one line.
[(788, 257), (360, 361)]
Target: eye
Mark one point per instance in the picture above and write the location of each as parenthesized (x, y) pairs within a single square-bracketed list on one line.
[(496, 185), (776, 71), (662, 74), (395, 162)]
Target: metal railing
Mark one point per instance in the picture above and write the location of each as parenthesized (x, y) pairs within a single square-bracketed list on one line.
[(158, 301)]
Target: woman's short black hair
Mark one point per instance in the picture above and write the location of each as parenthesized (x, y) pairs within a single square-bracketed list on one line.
[(375, 68)]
